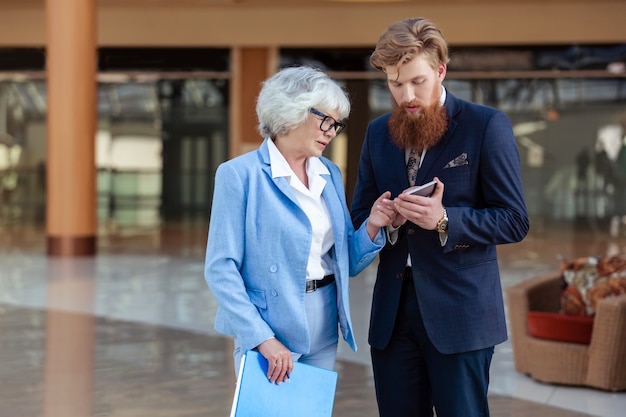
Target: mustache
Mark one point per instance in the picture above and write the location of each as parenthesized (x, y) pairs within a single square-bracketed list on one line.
[(412, 103), (407, 104)]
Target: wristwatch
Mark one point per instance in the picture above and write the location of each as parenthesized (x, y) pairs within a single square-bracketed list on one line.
[(442, 224)]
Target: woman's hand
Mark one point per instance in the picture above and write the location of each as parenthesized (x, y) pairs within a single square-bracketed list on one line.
[(279, 360), (382, 214)]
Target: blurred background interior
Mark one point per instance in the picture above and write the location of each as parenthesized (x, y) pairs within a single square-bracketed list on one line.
[(127, 330)]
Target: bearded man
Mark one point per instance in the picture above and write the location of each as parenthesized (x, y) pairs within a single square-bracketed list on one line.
[(437, 308)]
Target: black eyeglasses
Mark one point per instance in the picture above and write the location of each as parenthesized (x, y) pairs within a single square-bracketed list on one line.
[(328, 122)]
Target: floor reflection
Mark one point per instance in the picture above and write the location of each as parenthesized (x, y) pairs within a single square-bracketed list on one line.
[(103, 367), (129, 333)]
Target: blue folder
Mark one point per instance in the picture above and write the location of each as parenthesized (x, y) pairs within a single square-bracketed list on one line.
[(309, 393)]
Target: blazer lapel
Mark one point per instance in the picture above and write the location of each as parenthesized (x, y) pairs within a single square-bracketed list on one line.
[(335, 209), (433, 154), (280, 182)]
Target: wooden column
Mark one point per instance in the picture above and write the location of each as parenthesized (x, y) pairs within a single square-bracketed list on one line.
[(72, 111), (249, 68)]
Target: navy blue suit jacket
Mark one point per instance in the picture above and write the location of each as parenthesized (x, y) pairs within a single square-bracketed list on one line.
[(458, 285)]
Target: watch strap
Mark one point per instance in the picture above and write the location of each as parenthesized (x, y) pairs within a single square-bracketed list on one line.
[(442, 224)]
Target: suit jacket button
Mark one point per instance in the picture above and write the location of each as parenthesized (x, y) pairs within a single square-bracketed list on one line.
[(411, 231), (400, 275)]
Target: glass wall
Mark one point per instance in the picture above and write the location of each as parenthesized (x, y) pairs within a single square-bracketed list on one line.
[(158, 143), (22, 150), (158, 149), (161, 134), (162, 130)]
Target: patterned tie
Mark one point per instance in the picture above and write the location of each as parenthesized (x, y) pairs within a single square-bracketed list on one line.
[(412, 166)]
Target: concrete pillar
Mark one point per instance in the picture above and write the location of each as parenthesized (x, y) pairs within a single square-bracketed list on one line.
[(72, 113)]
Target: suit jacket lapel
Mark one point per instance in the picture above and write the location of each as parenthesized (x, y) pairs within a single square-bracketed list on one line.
[(396, 159), (432, 155)]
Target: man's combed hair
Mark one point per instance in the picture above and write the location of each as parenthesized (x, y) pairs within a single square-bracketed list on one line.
[(404, 40)]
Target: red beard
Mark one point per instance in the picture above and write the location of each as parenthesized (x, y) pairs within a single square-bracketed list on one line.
[(420, 131)]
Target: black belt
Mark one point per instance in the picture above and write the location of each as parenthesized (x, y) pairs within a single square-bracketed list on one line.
[(314, 284)]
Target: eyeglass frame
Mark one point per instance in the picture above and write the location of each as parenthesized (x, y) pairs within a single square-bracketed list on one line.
[(338, 126)]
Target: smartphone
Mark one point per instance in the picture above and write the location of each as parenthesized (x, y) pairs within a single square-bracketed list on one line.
[(425, 190)]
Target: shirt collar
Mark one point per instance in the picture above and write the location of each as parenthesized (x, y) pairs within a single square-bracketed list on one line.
[(280, 167)]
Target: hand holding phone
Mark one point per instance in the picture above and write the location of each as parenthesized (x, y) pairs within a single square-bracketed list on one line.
[(425, 190)]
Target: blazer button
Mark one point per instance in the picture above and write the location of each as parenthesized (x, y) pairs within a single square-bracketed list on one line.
[(400, 275), (411, 231)]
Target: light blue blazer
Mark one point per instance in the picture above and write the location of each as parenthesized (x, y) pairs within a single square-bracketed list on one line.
[(258, 247)]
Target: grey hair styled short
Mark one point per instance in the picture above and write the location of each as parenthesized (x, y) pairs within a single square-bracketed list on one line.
[(287, 96)]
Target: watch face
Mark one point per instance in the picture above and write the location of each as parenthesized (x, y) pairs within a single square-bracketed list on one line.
[(444, 226)]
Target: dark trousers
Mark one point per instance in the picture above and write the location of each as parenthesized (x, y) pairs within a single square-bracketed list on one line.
[(411, 376)]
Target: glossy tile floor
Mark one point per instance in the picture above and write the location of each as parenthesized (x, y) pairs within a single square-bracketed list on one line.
[(128, 333)]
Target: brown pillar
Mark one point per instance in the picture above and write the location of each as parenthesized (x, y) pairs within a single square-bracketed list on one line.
[(72, 111), (249, 68)]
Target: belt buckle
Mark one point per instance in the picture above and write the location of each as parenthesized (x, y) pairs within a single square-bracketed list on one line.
[(311, 286)]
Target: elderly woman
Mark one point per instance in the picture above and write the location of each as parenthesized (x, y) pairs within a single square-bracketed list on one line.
[(281, 245)]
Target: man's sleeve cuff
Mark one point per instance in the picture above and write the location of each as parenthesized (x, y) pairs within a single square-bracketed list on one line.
[(392, 234)]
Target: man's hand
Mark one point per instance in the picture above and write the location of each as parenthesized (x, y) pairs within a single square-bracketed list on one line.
[(422, 211)]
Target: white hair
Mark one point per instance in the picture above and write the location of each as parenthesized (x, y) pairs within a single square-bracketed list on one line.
[(287, 96)]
